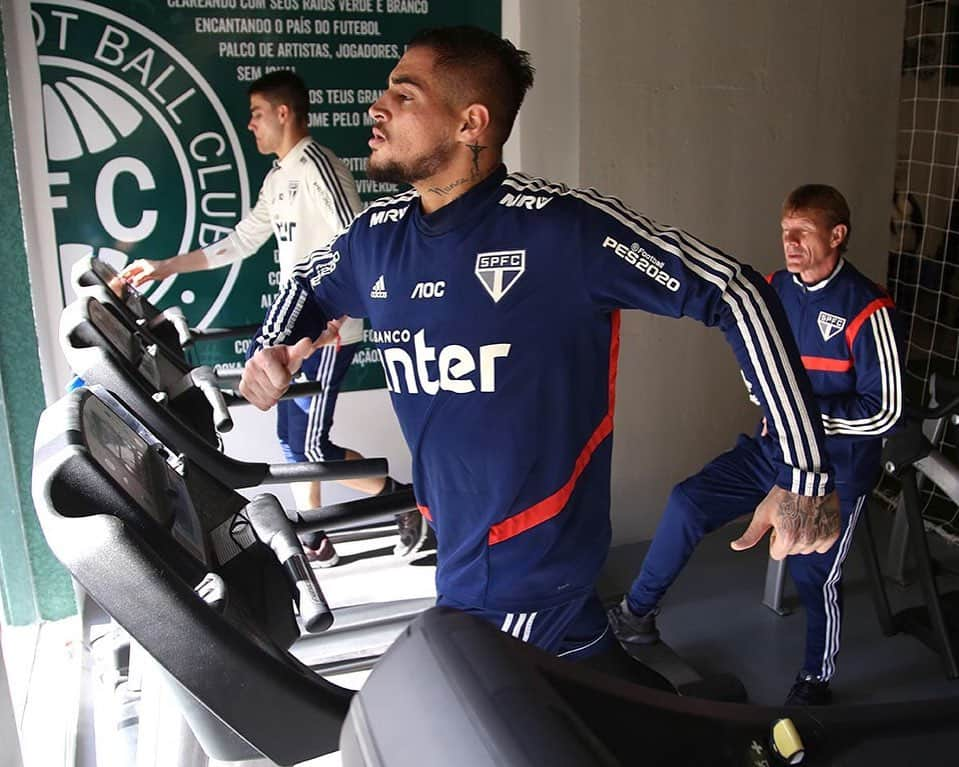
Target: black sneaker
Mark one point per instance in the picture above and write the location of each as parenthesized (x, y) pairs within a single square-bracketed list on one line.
[(809, 691), (630, 628), (320, 552), (392, 486), (412, 529)]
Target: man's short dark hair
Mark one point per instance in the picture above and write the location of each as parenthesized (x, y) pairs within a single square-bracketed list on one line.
[(825, 199), (283, 87), (481, 67)]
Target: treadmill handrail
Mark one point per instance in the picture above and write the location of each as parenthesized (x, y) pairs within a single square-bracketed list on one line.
[(273, 528), (327, 470), (375, 510)]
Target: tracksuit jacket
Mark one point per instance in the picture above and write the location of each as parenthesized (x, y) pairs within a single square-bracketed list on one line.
[(844, 326), (497, 318)]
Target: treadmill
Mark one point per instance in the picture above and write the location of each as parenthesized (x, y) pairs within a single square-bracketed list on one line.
[(203, 579), (137, 373), (91, 276)]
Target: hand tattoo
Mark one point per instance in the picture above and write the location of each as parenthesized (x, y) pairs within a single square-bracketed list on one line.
[(809, 519), (476, 149)]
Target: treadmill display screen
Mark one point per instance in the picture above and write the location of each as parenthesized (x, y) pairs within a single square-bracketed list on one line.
[(143, 471), (108, 325), (125, 456)]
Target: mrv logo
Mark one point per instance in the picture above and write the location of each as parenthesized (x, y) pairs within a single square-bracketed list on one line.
[(143, 160), (636, 255), (393, 215), (528, 201), (452, 368)]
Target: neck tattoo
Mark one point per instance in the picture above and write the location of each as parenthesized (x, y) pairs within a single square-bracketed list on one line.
[(476, 149), (445, 190)]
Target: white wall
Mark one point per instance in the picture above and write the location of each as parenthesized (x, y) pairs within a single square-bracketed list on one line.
[(548, 129)]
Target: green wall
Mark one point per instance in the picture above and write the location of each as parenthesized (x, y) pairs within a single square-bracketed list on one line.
[(33, 585)]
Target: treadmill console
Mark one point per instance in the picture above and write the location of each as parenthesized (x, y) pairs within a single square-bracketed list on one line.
[(147, 470)]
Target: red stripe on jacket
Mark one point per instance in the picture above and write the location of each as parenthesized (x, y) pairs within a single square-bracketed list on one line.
[(551, 506), (827, 363), (871, 308)]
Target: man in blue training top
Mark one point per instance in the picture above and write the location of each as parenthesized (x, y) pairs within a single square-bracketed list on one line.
[(494, 299), (843, 324)]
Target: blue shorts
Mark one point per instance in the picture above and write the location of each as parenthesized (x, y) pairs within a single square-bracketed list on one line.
[(303, 424), (575, 630)]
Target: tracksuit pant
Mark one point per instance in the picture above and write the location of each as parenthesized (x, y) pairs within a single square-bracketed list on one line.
[(303, 423), (575, 630), (729, 487)]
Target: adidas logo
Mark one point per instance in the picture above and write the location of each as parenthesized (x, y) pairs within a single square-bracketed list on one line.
[(379, 289)]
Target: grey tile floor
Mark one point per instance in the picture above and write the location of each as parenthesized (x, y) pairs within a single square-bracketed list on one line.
[(714, 618)]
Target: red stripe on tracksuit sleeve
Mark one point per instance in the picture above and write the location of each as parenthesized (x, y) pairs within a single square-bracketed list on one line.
[(551, 506), (871, 307)]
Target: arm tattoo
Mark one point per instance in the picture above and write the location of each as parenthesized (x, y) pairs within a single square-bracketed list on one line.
[(445, 190), (476, 149)]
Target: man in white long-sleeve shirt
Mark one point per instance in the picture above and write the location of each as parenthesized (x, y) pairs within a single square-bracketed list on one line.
[(307, 197)]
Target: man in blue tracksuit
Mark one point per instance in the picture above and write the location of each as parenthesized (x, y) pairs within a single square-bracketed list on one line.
[(494, 299), (843, 324)]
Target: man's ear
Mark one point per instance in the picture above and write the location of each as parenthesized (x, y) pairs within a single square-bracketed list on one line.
[(284, 113), (838, 234), (475, 122)]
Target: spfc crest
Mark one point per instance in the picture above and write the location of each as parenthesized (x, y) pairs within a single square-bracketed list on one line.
[(830, 324), (500, 270)]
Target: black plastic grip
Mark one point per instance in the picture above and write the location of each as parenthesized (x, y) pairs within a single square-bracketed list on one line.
[(204, 378), (272, 526), (302, 389), (327, 470), (229, 378), (365, 512)]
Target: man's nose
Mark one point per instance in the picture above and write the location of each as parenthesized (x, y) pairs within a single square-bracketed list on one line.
[(376, 110)]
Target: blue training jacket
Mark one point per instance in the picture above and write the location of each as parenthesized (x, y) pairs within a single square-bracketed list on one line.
[(497, 320), (845, 328)]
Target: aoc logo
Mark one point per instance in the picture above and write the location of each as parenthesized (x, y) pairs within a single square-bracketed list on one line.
[(143, 160)]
